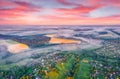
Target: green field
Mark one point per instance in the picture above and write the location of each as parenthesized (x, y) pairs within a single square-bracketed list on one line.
[(85, 64)]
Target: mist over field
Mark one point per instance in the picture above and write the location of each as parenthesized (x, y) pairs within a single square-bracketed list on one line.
[(46, 52)]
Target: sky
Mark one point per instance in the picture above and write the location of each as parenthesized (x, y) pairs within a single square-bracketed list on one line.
[(60, 12)]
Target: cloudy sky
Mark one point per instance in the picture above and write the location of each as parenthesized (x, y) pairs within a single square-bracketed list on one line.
[(59, 12)]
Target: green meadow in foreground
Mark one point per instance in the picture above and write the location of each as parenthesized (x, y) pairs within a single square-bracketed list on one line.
[(85, 64)]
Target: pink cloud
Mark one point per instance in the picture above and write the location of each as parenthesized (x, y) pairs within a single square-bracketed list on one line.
[(79, 9), (31, 12), (65, 2)]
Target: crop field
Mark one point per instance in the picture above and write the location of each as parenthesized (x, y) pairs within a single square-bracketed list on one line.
[(60, 53)]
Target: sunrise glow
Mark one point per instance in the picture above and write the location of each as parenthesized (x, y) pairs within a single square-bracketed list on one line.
[(59, 12)]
